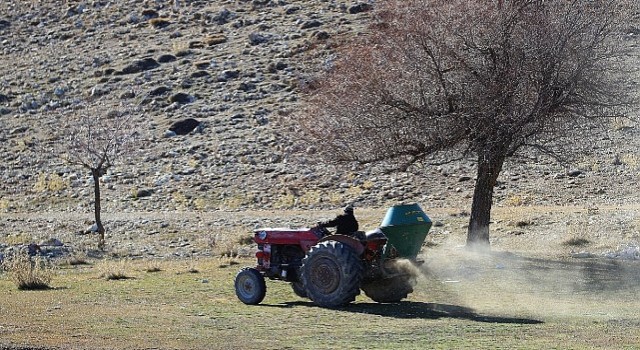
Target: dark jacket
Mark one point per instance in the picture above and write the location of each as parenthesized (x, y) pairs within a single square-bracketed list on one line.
[(345, 224)]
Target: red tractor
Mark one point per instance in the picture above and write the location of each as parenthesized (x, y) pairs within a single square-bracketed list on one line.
[(331, 269)]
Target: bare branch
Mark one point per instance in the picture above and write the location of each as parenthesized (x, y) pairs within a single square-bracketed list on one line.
[(490, 78), (94, 136)]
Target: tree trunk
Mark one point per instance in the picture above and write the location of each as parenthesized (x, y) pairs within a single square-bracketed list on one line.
[(489, 167), (96, 188)]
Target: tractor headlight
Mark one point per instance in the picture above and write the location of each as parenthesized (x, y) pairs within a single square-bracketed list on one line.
[(262, 235)]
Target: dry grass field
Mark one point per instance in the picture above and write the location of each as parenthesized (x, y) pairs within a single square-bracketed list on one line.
[(532, 291)]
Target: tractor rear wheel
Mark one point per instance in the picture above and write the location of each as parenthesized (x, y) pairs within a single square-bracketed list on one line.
[(331, 274), (250, 286), (389, 290)]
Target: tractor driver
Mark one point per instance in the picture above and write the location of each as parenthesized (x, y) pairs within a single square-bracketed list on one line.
[(345, 224)]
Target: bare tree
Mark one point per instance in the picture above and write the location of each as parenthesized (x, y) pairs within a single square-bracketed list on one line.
[(447, 79), (95, 137)]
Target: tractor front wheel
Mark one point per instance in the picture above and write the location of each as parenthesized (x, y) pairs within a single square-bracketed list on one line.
[(331, 274), (250, 286), (298, 289)]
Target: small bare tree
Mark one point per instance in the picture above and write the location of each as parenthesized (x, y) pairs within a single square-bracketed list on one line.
[(446, 79), (95, 137)]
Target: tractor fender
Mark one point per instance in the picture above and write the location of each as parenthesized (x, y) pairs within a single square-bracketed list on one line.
[(355, 244)]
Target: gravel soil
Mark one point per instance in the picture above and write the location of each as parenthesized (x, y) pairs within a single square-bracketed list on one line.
[(237, 66)]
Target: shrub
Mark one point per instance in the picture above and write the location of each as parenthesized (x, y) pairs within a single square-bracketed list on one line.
[(227, 261), (576, 242), (245, 240), (4, 204), (75, 260), (215, 39), (111, 270), (223, 246), (159, 22), (153, 266), (28, 273), (516, 200), (18, 239), (192, 266), (49, 183)]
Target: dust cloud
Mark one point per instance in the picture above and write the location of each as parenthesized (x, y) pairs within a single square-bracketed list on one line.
[(506, 283), (406, 266)]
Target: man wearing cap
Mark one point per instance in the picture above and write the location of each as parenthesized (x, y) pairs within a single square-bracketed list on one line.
[(345, 224)]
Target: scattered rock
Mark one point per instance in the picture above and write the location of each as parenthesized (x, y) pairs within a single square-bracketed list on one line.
[(200, 74), (19, 130), (202, 64), (54, 242), (160, 90), (314, 23), (291, 9), (258, 38), (166, 58), (75, 10), (184, 53), (184, 127), (582, 255), (277, 66), (142, 193), (139, 65), (246, 86), (181, 97), (626, 252), (33, 249), (223, 17), (516, 233), (127, 95), (169, 133), (150, 14), (321, 35), (616, 160), (91, 229), (575, 173), (361, 7), (228, 75)]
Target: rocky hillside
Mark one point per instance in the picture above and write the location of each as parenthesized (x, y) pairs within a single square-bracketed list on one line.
[(235, 66)]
